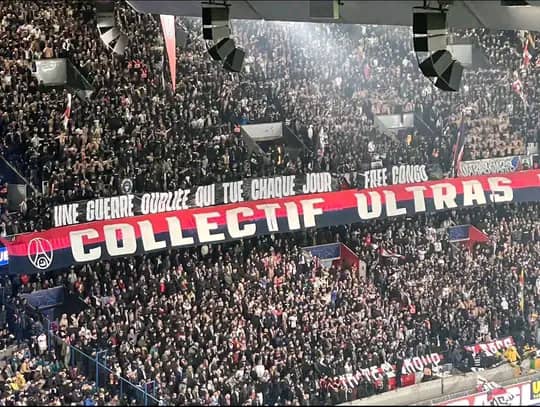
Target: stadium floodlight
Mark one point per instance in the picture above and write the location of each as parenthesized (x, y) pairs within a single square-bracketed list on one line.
[(430, 40)]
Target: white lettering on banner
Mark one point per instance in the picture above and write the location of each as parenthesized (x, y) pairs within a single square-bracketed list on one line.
[(318, 182), (473, 191), (241, 221), (120, 239), (276, 187), (204, 227), (149, 239), (418, 363), (494, 165), (409, 174), (363, 207), (292, 216), (232, 192), (4, 257), (123, 206), (115, 207), (121, 232), (418, 195), (491, 348), (310, 211), (444, 196), (80, 254), (158, 202), (372, 374), (205, 196), (234, 224), (391, 205), (175, 231), (270, 215), (400, 174), (66, 214), (500, 185), (375, 178)]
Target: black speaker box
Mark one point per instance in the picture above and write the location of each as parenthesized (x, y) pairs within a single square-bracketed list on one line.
[(428, 23), (215, 15), (437, 63), (450, 79), (216, 33), (222, 49), (235, 60)]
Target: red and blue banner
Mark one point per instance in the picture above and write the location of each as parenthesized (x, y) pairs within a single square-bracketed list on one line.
[(467, 234), (62, 247), (337, 254)]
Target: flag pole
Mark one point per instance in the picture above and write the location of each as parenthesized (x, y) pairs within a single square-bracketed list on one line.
[(458, 144)]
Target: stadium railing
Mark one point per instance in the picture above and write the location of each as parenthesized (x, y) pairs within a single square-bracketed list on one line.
[(24, 322), (94, 368)]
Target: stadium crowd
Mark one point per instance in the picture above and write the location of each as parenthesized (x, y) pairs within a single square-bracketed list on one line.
[(260, 322), (37, 378), (131, 128), (257, 322)]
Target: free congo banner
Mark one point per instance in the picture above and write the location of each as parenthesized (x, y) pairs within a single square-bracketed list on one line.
[(83, 243)]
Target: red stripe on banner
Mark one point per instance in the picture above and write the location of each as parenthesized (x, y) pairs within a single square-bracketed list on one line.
[(333, 201), (303, 211)]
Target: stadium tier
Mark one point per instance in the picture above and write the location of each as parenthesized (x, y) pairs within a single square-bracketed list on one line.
[(197, 211)]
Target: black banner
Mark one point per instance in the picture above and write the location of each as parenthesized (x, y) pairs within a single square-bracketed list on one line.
[(251, 189), (379, 176)]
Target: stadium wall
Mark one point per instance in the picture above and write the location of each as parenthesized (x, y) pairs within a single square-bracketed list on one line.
[(457, 390)]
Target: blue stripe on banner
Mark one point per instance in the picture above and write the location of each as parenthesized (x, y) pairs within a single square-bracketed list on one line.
[(458, 233), (325, 251), (4, 259)]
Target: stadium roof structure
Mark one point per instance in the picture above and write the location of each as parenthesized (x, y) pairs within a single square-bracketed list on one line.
[(462, 13)]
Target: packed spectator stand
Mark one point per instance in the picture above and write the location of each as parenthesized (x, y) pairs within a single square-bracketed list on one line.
[(256, 322)]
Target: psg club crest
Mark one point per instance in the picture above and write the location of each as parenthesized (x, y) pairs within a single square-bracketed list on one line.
[(40, 253)]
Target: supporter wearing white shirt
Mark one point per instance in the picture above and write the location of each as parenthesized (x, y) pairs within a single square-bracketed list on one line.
[(292, 321), (259, 370), (42, 343), (504, 304)]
